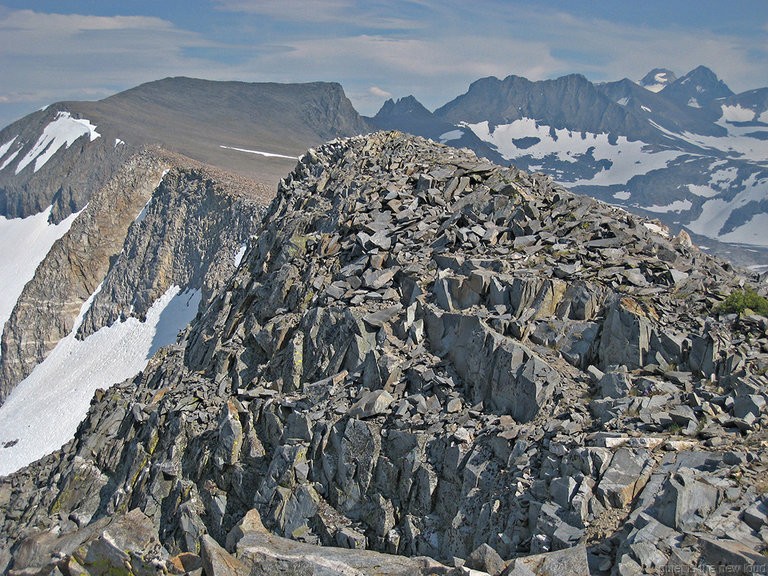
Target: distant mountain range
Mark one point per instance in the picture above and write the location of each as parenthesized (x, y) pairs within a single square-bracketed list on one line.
[(686, 150)]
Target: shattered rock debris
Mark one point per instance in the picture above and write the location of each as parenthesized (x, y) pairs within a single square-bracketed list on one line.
[(425, 364)]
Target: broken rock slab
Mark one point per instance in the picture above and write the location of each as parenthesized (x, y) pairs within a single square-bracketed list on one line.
[(568, 562), (626, 475), (371, 404), (267, 554)]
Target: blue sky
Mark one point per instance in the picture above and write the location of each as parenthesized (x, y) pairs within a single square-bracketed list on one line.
[(433, 49)]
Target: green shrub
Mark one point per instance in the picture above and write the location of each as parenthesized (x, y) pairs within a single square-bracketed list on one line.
[(742, 300)]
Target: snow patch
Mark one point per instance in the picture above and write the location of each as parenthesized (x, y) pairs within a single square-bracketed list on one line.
[(655, 87), (143, 213), (118, 142), (737, 144), (240, 254), (715, 212), (623, 195), (64, 130), (44, 410), (676, 206), (662, 231), (623, 101), (751, 232), (452, 135), (646, 109), (24, 243), (693, 103), (703, 191), (724, 177), (5, 147), (763, 117), (10, 159), (267, 154), (737, 114)]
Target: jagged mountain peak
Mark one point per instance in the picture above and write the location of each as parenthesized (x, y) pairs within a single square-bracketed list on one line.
[(657, 79), (406, 106), (697, 88)]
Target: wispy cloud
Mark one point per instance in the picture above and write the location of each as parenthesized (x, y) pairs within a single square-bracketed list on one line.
[(356, 13), (379, 93), (47, 57)]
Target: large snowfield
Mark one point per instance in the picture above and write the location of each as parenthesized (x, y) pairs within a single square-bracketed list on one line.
[(43, 411), (24, 243), (628, 158)]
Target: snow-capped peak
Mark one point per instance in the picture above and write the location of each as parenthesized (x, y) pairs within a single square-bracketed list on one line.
[(657, 79), (64, 130)]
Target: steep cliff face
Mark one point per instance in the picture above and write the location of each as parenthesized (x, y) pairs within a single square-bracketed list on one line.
[(75, 266), (422, 353), (187, 235), (160, 221)]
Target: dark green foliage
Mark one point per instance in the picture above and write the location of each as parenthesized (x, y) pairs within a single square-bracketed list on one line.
[(741, 300)]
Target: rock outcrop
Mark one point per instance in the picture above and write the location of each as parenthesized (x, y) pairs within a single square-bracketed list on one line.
[(426, 355)]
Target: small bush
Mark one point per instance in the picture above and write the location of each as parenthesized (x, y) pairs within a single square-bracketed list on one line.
[(742, 300)]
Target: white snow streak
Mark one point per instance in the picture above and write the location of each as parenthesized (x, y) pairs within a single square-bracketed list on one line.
[(5, 147), (623, 195), (676, 206), (10, 159), (4, 150), (451, 135), (64, 130), (44, 410), (240, 254), (267, 154), (24, 243)]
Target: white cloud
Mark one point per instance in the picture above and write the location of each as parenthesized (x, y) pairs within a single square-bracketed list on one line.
[(379, 93)]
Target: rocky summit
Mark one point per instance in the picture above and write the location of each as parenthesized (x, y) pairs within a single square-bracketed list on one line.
[(426, 364)]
